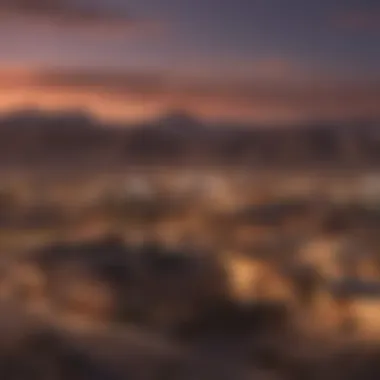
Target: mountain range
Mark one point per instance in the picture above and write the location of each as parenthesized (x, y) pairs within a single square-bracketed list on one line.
[(33, 137)]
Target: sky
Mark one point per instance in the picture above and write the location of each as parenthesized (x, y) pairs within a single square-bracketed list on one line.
[(251, 60)]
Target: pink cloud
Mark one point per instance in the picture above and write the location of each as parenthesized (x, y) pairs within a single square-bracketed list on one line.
[(127, 95), (359, 20), (65, 10), (65, 13)]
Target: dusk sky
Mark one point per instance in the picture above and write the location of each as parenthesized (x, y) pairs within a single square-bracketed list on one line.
[(252, 60)]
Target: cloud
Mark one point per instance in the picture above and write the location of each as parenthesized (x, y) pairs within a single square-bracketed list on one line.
[(60, 9), (101, 80), (70, 14), (359, 19), (265, 68), (129, 95)]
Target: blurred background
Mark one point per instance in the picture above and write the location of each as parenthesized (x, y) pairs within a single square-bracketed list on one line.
[(189, 189)]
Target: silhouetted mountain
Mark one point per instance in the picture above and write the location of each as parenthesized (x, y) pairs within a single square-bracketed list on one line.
[(179, 121), (66, 138), (32, 118)]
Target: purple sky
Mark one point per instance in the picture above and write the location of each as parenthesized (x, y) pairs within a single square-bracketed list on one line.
[(184, 51)]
